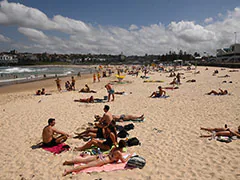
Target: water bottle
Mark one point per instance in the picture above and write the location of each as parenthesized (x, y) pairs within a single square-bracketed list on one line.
[(100, 153)]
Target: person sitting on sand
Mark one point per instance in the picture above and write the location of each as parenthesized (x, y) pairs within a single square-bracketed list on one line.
[(221, 92), (172, 74), (159, 93), (222, 132), (38, 92), (43, 91), (96, 160), (87, 90), (174, 82), (110, 91), (215, 72), (48, 134), (68, 86), (103, 122), (110, 134)]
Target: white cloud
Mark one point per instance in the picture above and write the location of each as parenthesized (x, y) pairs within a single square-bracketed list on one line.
[(23, 16), (133, 27), (84, 38), (208, 20), (4, 39)]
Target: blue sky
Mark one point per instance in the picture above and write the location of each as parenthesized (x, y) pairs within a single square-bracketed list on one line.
[(134, 27)]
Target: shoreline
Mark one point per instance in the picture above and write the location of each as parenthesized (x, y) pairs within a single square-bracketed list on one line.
[(47, 83)]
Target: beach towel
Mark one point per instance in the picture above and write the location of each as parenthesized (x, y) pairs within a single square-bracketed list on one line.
[(144, 77), (224, 139), (149, 81), (107, 167), (99, 101), (172, 88), (57, 149), (164, 97)]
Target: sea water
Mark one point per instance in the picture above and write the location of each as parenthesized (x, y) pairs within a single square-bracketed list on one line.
[(11, 74)]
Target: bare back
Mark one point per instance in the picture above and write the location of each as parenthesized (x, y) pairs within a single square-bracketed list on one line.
[(106, 119), (47, 134)]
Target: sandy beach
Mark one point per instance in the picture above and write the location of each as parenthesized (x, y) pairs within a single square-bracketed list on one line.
[(174, 152)]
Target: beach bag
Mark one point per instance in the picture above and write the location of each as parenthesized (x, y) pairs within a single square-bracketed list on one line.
[(133, 142), (123, 134), (136, 162), (129, 127)]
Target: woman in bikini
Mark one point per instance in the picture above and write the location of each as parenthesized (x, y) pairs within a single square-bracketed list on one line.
[(94, 161), (222, 132), (221, 92), (110, 135)]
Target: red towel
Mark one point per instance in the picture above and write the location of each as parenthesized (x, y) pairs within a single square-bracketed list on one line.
[(57, 149)]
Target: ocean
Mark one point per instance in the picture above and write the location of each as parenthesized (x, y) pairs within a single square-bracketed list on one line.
[(17, 74)]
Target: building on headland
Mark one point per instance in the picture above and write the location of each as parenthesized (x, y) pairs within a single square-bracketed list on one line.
[(231, 54), (8, 59)]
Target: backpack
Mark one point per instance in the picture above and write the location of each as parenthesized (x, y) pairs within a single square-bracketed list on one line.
[(123, 134), (136, 162), (129, 127), (133, 142)]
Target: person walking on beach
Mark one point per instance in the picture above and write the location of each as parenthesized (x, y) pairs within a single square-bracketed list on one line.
[(110, 91), (73, 83), (58, 81), (98, 76), (48, 134), (94, 77)]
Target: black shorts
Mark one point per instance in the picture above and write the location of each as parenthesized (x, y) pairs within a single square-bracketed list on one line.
[(100, 133), (51, 143)]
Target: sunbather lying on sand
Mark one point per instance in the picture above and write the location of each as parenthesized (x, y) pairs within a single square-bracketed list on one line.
[(159, 93), (221, 132), (91, 99), (221, 92), (123, 117), (94, 161), (191, 80), (120, 93), (110, 135), (87, 90)]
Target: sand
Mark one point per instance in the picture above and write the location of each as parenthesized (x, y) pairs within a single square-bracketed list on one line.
[(174, 152)]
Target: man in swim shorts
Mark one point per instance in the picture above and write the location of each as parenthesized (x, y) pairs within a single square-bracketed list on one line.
[(48, 132), (159, 93), (110, 91)]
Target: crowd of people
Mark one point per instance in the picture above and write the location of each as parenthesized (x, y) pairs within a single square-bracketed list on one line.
[(103, 134)]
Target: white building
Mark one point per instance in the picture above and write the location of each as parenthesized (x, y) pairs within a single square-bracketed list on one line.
[(229, 54), (4, 58)]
